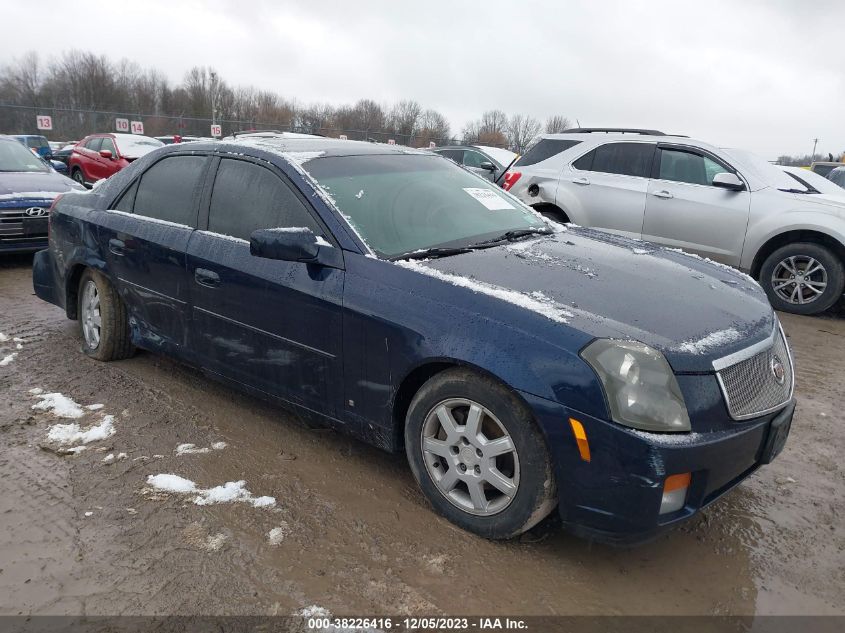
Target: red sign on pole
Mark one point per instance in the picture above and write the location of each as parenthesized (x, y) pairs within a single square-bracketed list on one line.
[(44, 122), (431, 145), (121, 125), (137, 127), (343, 137), (216, 131), (391, 141)]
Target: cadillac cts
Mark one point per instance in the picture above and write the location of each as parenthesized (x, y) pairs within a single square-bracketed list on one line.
[(521, 365)]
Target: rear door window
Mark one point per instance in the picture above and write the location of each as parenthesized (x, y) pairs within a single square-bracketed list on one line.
[(545, 149), (94, 144), (625, 159), (168, 190), (247, 197), (474, 159), (452, 154)]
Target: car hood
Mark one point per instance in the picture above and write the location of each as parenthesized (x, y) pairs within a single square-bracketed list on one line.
[(691, 309), (34, 185), (835, 202)]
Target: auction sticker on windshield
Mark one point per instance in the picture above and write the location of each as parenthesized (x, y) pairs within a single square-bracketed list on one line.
[(488, 198)]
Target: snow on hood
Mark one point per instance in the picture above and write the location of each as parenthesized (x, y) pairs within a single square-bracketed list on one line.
[(603, 285), (34, 186)]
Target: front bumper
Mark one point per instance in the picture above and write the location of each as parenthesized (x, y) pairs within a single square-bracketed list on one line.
[(616, 496)]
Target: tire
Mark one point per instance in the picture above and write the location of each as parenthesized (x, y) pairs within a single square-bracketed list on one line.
[(112, 340), (503, 416), (78, 176), (826, 276)]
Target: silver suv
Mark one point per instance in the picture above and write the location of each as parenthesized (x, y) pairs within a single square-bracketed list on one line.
[(724, 204)]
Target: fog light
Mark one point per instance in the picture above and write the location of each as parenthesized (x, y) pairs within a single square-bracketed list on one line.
[(674, 493)]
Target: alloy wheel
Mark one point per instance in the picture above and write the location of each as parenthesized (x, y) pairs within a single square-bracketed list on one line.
[(799, 279), (470, 456), (90, 314)]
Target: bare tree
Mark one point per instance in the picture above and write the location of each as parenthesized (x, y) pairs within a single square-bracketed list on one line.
[(522, 130), (557, 123)]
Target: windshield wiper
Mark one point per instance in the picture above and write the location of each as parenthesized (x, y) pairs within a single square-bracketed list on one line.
[(794, 190), (510, 236), (433, 253)]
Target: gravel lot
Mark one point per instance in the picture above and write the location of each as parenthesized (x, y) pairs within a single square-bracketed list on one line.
[(82, 536)]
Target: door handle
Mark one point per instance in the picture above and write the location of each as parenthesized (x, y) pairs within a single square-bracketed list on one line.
[(207, 278), (663, 194), (118, 247), (581, 181)]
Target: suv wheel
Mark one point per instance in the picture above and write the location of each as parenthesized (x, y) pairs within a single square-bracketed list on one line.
[(803, 278), (478, 456), (78, 176), (103, 321)]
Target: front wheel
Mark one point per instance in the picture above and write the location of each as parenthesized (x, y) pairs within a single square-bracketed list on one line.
[(478, 455), (103, 321), (803, 278)]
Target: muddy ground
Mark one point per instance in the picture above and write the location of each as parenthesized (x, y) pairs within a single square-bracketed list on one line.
[(79, 536)]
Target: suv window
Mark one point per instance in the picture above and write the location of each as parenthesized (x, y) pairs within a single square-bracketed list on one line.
[(247, 197), (544, 149), (108, 144), (626, 159), (94, 144), (687, 166), (837, 176), (167, 189)]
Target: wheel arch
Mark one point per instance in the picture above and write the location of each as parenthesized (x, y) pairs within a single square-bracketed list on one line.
[(791, 237), (548, 207), (422, 373)]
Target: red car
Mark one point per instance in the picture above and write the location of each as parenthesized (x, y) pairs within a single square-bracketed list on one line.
[(99, 156)]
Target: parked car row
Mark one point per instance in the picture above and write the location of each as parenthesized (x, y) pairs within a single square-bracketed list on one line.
[(724, 204), (520, 365)]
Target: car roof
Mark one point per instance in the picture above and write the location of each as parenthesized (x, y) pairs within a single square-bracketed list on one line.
[(602, 137), (283, 145)]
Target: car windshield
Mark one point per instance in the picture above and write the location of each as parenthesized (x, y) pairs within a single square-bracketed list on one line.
[(404, 203), (16, 157), (136, 146), (772, 175)]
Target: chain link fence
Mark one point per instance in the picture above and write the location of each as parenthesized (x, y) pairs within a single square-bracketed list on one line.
[(72, 124)]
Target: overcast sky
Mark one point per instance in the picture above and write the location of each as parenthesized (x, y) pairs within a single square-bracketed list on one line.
[(765, 75)]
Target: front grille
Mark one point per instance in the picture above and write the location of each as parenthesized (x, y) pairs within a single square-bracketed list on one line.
[(750, 386), (12, 224)]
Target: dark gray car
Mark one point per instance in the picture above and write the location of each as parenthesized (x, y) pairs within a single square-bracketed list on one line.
[(487, 162)]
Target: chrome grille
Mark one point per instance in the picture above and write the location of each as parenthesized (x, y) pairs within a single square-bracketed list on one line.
[(12, 224), (750, 386)]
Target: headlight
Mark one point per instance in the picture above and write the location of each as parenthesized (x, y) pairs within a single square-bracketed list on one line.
[(640, 386)]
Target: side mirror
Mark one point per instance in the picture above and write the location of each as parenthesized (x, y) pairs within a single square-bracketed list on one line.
[(105, 153), (727, 180), (287, 244), (488, 166)]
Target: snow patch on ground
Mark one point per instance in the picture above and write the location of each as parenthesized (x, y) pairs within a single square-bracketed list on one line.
[(278, 534), (711, 341), (95, 407), (535, 301), (73, 434), (7, 360), (58, 404), (191, 449), (36, 391), (230, 492), (3, 337)]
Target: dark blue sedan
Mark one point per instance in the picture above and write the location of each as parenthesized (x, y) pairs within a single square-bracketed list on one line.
[(521, 365)]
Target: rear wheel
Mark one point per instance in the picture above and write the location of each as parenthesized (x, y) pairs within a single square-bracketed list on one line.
[(478, 456), (103, 322), (78, 176), (803, 278)]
